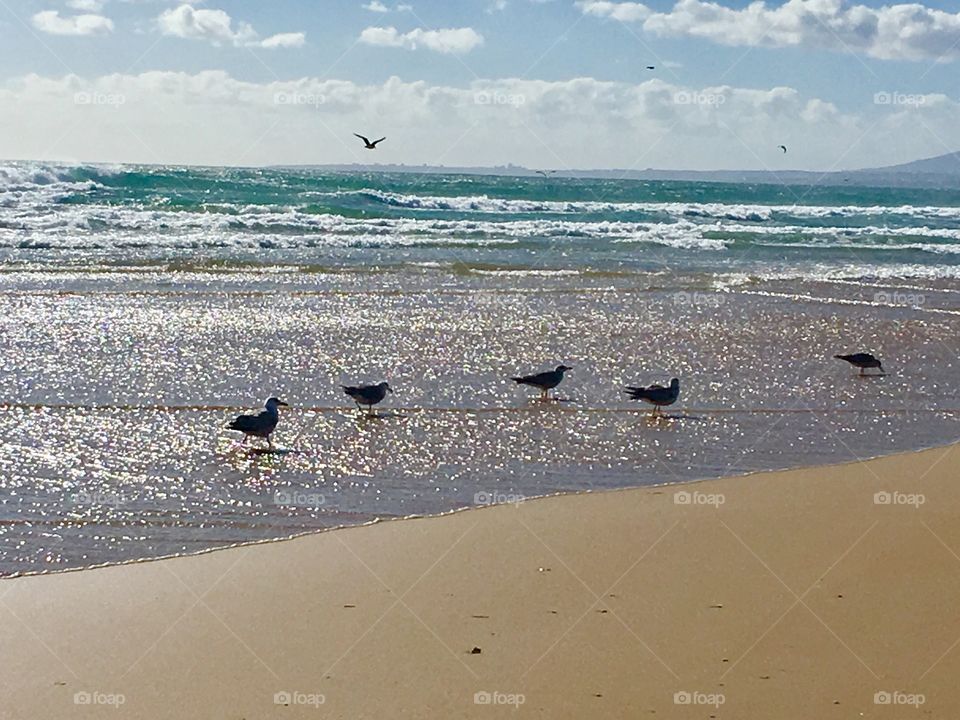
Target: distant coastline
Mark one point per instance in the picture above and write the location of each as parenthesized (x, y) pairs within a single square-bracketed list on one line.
[(942, 171)]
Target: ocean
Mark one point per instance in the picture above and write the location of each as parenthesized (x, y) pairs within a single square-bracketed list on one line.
[(142, 307)]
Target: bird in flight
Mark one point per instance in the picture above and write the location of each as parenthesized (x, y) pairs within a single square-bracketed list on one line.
[(863, 361), (657, 395), (651, 67), (546, 381), (783, 147), (546, 173), (370, 145), (260, 425), (368, 395)]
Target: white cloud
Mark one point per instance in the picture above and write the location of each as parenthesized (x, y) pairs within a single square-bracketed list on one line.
[(891, 32), (624, 11), (285, 40), (455, 41), (50, 21), (378, 7), (216, 27), (213, 118), (86, 5)]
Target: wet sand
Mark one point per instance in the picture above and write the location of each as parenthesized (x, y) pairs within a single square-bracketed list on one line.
[(115, 445), (777, 595)]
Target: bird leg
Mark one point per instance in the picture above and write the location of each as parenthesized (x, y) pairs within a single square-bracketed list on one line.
[(544, 395)]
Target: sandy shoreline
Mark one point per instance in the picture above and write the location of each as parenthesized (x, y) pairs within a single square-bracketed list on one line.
[(790, 594)]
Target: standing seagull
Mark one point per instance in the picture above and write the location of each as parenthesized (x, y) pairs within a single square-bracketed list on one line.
[(261, 425), (370, 145), (863, 361), (368, 395), (546, 381), (657, 395)]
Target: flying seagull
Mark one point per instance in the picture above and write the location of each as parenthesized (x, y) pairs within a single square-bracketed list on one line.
[(657, 395), (546, 381), (863, 361), (546, 173), (370, 145), (783, 147), (651, 67), (262, 424), (368, 395)]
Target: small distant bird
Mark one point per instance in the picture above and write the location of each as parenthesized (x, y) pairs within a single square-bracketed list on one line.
[(783, 147), (546, 173), (651, 67), (370, 145), (262, 424), (657, 395), (368, 395), (546, 381), (863, 361)]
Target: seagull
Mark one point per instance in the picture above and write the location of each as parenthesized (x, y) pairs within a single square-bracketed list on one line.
[(368, 395), (370, 145), (651, 67), (863, 361), (783, 147), (546, 173), (546, 381), (261, 425), (656, 395)]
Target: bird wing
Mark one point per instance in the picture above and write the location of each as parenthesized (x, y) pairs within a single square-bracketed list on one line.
[(364, 393), (379, 141), (538, 379), (247, 423), (362, 138)]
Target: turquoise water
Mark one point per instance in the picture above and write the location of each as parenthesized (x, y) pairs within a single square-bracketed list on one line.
[(141, 214), (141, 308)]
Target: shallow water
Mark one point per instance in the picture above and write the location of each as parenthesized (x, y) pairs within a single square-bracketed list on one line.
[(125, 360)]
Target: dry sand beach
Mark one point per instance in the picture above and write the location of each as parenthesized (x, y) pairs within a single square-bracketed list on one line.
[(794, 594)]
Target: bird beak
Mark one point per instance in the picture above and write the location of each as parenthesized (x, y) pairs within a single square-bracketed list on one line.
[(284, 404)]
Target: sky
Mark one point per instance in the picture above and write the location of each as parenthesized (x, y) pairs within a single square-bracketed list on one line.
[(560, 84)]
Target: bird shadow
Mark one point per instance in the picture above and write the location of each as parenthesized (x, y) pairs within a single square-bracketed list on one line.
[(258, 452), (666, 419), (549, 402), (381, 415)]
